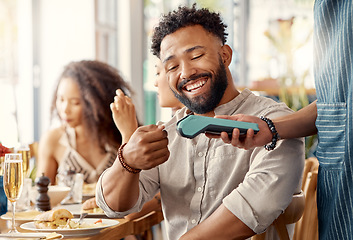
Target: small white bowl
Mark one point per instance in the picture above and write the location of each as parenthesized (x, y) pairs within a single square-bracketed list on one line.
[(57, 194)]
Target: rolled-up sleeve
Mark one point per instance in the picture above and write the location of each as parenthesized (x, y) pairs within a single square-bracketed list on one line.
[(268, 186), (146, 192)]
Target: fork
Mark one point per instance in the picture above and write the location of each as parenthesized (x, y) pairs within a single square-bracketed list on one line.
[(82, 216)]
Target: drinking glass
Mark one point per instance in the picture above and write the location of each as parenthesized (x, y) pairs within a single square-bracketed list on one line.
[(2, 159), (68, 179), (13, 182), (26, 157)]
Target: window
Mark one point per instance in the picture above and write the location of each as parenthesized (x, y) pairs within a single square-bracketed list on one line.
[(106, 31), (255, 58)]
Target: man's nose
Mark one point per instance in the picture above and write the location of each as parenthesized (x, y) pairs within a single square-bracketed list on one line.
[(187, 70)]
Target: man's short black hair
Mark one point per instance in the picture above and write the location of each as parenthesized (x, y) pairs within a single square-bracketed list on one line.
[(183, 17)]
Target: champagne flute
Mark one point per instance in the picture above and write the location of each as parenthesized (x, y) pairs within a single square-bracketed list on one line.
[(26, 156), (13, 182)]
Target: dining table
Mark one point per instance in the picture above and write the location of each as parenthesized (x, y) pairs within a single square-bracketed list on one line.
[(141, 226)]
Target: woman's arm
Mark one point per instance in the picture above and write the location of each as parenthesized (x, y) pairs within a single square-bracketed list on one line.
[(46, 162), (298, 124), (124, 115), (294, 125)]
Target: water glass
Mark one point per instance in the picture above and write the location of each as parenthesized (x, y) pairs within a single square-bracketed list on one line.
[(75, 182), (24, 202)]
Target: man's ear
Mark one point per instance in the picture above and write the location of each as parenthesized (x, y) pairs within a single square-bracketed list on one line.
[(226, 53)]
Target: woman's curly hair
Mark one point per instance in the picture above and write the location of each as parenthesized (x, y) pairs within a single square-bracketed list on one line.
[(183, 17), (97, 82)]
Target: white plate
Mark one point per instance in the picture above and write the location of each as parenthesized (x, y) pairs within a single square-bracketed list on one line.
[(21, 217), (75, 209), (27, 235), (75, 232)]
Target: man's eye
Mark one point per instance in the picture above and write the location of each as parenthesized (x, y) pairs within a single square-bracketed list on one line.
[(172, 68), (198, 56)]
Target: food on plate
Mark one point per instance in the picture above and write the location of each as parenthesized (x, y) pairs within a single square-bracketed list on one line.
[(53, 219), (76, 225), (62, 219), (90, 206)]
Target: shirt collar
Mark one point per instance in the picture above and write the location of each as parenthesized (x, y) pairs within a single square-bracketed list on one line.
[(230, 107)]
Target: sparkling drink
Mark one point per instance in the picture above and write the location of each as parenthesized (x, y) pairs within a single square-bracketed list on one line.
[(13, 179), (26, 156), (13, 182), (2, 159)]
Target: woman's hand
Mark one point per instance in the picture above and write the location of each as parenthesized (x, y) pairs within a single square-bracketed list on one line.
[(250, 140), (89, 204), (124, 115)]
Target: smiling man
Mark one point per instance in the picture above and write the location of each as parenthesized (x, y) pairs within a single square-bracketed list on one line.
[(209, 190)]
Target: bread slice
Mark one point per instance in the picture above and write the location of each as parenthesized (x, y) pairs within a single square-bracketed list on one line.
[(52, 219)]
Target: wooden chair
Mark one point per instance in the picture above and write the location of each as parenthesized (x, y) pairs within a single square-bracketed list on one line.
[(311, 164), (141, 224), (33, 148), (291, 215), (307, 227), (303, 211)]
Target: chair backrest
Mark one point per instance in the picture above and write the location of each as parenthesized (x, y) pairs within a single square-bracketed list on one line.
[(311, 164), (302, 210), (33, 147), (307, 227)]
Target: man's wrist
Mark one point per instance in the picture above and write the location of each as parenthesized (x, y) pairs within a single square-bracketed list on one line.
[(123, 163)]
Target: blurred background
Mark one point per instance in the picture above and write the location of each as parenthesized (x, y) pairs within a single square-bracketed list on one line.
[(271, 40)]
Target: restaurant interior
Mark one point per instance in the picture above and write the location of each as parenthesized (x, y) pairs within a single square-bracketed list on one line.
[(272, 56)]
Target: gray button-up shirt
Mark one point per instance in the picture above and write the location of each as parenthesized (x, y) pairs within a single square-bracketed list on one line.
[(201, 174)]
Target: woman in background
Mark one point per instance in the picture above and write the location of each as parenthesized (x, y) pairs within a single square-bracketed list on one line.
[(87, 139)]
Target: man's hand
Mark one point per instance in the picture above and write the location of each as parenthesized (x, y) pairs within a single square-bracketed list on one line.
[(249, 141), (147, 147)]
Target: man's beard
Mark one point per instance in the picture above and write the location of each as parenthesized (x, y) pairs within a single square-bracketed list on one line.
[(209, 101)]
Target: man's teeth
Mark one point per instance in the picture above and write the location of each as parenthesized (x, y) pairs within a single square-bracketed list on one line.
[(194, 86)]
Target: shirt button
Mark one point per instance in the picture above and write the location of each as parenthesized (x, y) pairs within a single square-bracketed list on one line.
[(193, 221), (200, 154), (199, 189)]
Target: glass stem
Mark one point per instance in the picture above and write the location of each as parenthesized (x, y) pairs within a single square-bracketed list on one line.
[(13, 204)]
